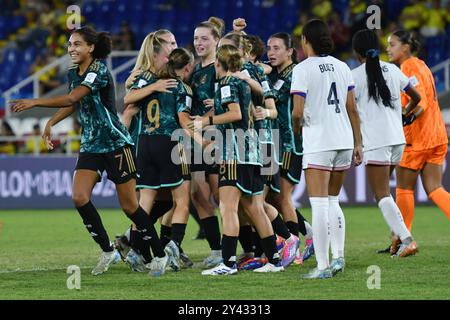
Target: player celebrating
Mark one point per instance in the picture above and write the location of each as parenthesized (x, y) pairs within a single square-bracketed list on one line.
[(240, 166), (105, 142), (378, 86), (324, 107), (203, 83), (425, 133)]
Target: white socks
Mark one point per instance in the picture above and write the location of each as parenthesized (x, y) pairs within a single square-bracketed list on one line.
[(393, 217), (321, 230), (337, 227)]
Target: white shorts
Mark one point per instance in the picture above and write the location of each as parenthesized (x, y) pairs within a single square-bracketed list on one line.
[(338, 160), (384, 156)]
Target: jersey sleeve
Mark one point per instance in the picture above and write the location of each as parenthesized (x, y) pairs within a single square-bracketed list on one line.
[(96, 79), (299, 83), (229, 94), (402, 78), (349, 78), (267, 87), (357, 82), (412, 72), (183, 99), (140, 83)]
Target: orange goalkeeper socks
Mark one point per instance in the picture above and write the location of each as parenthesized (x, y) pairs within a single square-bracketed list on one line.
[(442, 199), (405, 202)]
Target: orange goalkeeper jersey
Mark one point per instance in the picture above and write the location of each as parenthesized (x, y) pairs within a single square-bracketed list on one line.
[(428, 131)]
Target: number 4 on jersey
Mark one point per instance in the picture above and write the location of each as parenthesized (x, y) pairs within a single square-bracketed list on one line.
[(333, 99)]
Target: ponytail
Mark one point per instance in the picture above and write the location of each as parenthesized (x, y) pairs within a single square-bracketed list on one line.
[(366, 44), (178, 59), (102, 41), (407, 37)]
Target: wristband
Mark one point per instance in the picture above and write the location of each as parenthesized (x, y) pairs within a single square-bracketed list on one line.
[(210, 120)]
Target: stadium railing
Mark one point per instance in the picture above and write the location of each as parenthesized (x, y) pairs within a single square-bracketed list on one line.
[(57, 141), (62, 62)]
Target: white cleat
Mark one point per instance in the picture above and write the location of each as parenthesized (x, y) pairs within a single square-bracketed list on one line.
[(158, 266), (213, 260), (220, 270), (106, 259), (268, 267)]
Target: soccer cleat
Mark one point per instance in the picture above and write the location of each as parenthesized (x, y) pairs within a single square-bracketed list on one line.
[(244, 257), (158, 266), (395, 245), (407, 250), (220, 270), (387, 250), (298, 260), (290, 248), (213, 260), (318, 274), (268, 267), (337, 265), (253, 263), (135, 261), (122, 245), (280, 244), (106, 259), (185, 261), (173, 253), (308, 252)]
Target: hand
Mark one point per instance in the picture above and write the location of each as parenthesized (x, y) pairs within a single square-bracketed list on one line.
[(132, 78), (357, 155), (239, 24), (22, 104), (196, 124), (241, 75), (260, 113), (47, 136), (164, 85), (407, 120), (209, 103)]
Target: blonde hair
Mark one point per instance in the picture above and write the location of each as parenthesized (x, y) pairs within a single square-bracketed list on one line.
[(216, 25), (151, 45), (240, 42), (230, 58), (178, 59)]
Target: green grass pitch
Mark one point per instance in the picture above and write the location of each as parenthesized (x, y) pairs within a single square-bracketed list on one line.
[(36, 247)]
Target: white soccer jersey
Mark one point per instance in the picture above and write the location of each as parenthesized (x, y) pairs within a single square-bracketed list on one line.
[(380, 125), (324, 82)]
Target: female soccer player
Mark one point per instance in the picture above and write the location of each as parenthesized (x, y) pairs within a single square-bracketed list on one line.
[(324, 107), (203, 83), (239, 172), (105, 142), (262, 109), (282, 58), (425, 133), (158, 121), (152, 57), (378, 86)]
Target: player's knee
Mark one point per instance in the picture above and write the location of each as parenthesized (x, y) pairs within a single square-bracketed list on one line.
[(129, 207), (79, 199)]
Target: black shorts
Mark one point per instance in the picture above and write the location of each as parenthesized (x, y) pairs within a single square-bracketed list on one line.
[(119, 164), (271, 167), (202, 166), (161, 162), (245, 177), (291, 167)]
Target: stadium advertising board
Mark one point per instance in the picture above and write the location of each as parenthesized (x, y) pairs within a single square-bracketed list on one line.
[(46, 183)]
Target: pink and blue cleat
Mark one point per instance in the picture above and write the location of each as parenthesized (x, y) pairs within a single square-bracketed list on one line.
[(289, 250)]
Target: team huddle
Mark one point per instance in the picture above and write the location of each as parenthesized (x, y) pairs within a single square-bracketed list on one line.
[(234, 133)]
